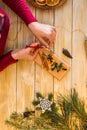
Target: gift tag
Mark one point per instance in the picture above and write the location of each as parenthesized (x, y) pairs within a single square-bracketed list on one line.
[(52, 63)]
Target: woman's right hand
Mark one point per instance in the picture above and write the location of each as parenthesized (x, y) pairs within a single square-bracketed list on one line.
[(46, 34), (25, 53)]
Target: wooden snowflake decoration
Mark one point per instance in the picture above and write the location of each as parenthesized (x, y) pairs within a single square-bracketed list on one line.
[(44, 104)]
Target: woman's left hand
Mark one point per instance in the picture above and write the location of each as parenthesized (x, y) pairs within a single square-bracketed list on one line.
[(28, 53), (46, 34)]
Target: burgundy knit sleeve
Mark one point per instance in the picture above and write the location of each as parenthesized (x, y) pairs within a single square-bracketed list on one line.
[(21, 8), (6, 60)]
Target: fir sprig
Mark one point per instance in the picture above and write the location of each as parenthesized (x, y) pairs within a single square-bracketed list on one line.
[(50, 97), (38, 95), (68, 113)]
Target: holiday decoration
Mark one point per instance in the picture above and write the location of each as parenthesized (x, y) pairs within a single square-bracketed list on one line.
[(45, 104), (67, 113), (47, 4), (67, 53), (52, 63)]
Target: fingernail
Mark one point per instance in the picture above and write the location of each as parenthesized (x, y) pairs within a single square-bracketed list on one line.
[(48, 46)]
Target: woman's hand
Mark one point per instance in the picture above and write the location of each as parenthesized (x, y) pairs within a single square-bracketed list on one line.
[(25, 53), (46, 34)]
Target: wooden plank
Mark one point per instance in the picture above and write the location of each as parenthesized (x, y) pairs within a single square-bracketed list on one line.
[(79, 65), (44, 81), (30, 78), (8, 76), (25, 71), (63, 23)]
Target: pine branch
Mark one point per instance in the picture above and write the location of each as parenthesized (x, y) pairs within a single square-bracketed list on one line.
[(78, 105), (15, 125), (54, 107), (50, 96), (35, 103), (38, 95), (67, 114)]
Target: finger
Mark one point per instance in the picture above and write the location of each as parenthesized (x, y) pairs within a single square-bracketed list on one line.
[(52, 38), (46, 39), (34, 48), (34, 44), (35, 53), (43, 42), (51, 34), (54, 28)]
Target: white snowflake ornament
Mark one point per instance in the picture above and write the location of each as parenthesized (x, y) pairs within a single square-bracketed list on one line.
[(45, 104)]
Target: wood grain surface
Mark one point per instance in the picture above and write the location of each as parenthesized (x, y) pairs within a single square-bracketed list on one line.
[(19, 82)]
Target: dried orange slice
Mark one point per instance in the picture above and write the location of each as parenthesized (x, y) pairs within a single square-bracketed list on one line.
[(52, 2), (41, 2)]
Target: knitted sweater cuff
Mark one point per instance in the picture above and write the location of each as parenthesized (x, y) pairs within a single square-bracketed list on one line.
[(6, 60)]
